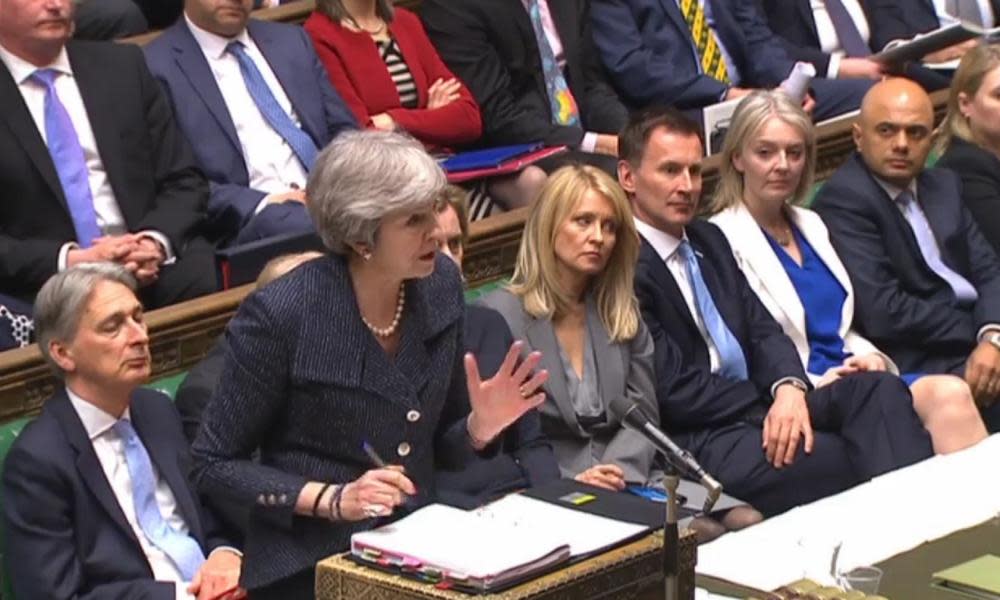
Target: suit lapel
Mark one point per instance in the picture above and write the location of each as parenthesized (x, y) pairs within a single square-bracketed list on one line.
[(22, 127), (940, 216), (542, 337), (563, 17), (665, 281), (192, 63), (766, 265), (163, 453), (104, 117), (807, 16), (608, 357), (674, 12), (87, 462), (288, 71)]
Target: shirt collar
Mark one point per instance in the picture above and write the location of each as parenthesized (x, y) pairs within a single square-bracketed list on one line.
[(661, 241), (894, 190), (95, 421), (214, 45), (21, 69)]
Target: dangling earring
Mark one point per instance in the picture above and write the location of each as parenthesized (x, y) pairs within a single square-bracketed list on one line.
[(366, 255)]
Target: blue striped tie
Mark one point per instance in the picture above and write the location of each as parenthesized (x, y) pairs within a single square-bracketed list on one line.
[(69, 160), (732, 362), (182, 549), (302, 145)]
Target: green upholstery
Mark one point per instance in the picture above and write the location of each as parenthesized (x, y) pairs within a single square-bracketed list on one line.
[(8, 433), (473, 294), (168, 385)]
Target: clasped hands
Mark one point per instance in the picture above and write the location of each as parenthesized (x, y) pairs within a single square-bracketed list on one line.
[(496, 404), (140, 254)]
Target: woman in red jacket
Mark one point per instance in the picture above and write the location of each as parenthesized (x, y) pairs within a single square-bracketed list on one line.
[(383, 65)]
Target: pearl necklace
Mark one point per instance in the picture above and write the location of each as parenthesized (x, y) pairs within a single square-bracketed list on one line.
[(384, 332)]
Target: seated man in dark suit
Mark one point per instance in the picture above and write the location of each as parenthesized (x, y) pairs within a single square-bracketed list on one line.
[(525, 458), (108, 19), (893, 20), (257, 106), (534, 71), (92, 165), (97, 503), (730, 384), (927, 282), (833, 35), (654, 58)]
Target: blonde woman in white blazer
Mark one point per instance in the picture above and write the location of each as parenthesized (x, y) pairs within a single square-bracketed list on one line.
[(786, 255)]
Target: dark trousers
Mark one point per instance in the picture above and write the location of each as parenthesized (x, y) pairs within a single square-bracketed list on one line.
[(864, 425), (192, 275), (276, 219), (835, 97), (301, 586)]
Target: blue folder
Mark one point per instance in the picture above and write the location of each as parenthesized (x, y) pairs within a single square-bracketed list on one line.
[(488, 158)]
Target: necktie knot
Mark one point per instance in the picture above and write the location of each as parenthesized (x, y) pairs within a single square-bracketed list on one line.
[(125, 431), (46, 77), (685, 251), (236, 48), (905, 198)]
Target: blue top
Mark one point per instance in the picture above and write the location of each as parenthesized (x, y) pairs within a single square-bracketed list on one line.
[(822, 299)]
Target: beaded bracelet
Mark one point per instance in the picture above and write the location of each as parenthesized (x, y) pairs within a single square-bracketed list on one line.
[(334, 507), (319, 497)]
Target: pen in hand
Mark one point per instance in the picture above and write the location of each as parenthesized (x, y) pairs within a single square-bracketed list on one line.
[(373, 455)]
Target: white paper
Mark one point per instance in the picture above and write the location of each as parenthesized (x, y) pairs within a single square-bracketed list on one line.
[(872, 522)]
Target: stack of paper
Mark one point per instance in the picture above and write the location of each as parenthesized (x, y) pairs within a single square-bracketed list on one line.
[(979, 578), (490, 547)]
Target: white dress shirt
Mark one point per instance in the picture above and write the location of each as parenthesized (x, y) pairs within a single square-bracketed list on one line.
[(109, 214), (828, 40), (666, 247), (272, 165), (985, 12), (894, 191), (111, 453), (589, 141)]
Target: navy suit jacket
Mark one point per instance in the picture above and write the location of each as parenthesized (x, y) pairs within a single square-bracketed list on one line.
[(902, 306), (67, 536), (525, 458), (647, 48), (693, 400), (895, 20), (306, 382), (178, 63)]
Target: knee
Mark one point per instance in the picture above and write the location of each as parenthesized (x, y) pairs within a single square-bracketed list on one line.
[(943, 393)]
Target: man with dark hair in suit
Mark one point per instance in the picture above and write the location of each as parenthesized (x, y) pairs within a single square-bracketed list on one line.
[(97, 503), (834, 36), (694, 53), (533, 68), (257, 105), (92, 165), (730, 383), (893, 20), (928, 283)]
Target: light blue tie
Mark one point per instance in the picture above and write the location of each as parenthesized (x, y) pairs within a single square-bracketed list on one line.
[(302, 145), (930, 250), (732, 362), (182, 549), (70, 162)]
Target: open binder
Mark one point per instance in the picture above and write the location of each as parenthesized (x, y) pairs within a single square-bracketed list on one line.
[(490, 548)]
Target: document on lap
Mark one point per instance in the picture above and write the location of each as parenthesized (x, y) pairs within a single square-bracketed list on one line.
[(490, 547)]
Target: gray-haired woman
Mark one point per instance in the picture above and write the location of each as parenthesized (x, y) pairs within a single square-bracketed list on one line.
[(363, 346)]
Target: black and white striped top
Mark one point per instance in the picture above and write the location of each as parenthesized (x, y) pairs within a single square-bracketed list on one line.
[(399, 72)]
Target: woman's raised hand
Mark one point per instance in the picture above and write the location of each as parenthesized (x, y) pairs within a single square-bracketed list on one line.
[(501, 400)]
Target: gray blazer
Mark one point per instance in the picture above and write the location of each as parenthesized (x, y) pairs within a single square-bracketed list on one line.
[(622, 369)]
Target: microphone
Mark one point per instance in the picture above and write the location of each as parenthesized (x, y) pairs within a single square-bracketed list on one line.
[(633, 418)]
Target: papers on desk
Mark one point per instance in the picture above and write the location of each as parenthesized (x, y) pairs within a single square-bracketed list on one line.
[(978, 578), (490, 547), (932, 41), (874, 521)]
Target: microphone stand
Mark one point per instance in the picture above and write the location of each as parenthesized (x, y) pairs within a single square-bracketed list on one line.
[(671, 539)]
